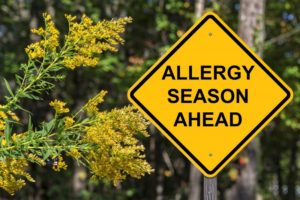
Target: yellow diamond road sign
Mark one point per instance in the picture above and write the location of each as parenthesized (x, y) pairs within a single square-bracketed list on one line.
[(210, 94)]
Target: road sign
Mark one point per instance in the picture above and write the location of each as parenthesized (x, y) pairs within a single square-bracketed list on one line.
[(210, 94)]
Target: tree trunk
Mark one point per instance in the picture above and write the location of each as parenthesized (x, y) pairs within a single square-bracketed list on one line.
[(195, 175), (156, 148), (150, 187), (194, 183), (50, 7), (279, 177), (251, 30), (160, 187), (199, 8), (292, 177), (251, 23)]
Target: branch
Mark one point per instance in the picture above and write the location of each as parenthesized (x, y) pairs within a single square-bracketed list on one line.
[(282, 37)]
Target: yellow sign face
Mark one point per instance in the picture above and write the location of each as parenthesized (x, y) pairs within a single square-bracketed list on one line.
[(210, 94)]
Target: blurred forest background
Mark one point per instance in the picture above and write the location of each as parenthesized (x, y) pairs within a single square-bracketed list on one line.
[(267, 169)]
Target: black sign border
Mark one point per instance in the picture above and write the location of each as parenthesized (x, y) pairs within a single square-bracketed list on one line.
[(210, 172)]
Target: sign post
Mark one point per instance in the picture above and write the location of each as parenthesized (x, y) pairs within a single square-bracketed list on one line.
[(210, 95), (210, 191)]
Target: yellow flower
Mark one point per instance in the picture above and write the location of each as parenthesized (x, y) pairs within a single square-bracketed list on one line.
[(59, 106), (91, 107), (3, 142), (69, 121), (50, 40), (39, 31), (74, 153), (61, 164), (88, 39), (3, 115), (15, 137), (79, 60), (118, 152), (36, 159), (2, 125), (12, 172), (35, 51), (13, 116)]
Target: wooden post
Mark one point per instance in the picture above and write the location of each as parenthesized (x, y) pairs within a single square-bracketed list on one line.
[(210, 191)]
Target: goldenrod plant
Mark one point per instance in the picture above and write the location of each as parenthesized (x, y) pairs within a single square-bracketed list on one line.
[(105, 142)]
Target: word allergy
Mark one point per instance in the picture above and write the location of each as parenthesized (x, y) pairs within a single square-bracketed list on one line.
[(208, 96)]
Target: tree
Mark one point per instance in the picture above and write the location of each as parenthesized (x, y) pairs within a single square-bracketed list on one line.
[(251, 30)]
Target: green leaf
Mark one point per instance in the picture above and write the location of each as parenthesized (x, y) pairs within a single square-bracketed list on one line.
[(23, 109), (18, 79), (29, 123), (7, 131), (8, 88), (50, 125)]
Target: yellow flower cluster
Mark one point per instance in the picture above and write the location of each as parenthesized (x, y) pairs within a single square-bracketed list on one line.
[(87, 39), (78, 60), (51, 34), (69, 121), (3, 142), (2, 125), (104, 141), (35, 50), (92, 106), (16, 136), (12, 174), (13, 116), (36, 159), (74, 153), (49, 42), (118, 152), (59, 164), (4, 116), (59, 106)]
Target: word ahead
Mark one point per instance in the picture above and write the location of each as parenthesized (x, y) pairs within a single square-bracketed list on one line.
[(210, 94), (208, 119)]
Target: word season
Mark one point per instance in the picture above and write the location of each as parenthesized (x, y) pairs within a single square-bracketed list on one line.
[(212, 95)]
